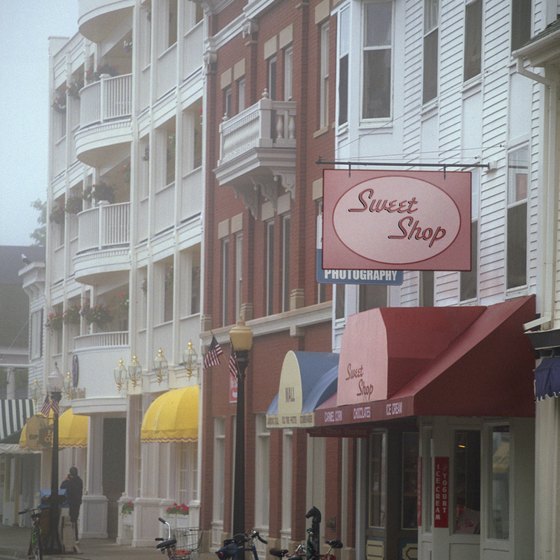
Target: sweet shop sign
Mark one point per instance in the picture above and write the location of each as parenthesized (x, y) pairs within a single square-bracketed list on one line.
[(398, 220)]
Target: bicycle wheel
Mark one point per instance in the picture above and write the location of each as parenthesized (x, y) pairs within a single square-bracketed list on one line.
[(36, 547)]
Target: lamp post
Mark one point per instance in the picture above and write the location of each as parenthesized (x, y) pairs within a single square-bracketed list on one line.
[(161, 366), (54, 386), (190, 359), (241, 338)]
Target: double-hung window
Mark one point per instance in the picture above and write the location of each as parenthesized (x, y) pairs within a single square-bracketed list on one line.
[(518, 182), (520, 23), (343, 55), (431, 37), (324, 77), (473, 40), (377, 60)]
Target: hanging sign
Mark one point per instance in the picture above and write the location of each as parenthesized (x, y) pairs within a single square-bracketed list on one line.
[(441, 492), (402, 220)]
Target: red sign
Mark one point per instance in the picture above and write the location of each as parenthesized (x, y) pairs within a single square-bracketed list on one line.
[(441, 492), (400, 220)]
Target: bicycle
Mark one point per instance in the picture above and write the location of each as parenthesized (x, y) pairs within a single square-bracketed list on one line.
[(35, 549), (181, 546), (300, 551), (239, 544)]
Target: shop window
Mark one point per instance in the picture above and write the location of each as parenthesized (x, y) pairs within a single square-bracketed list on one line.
[(377, 483), (498, 518), (518, 182), (466, 482), (431, 38), (520, 23), (188, 472), (473, 39), (426, 295), (377, 60), (409, 501), (262, 483)]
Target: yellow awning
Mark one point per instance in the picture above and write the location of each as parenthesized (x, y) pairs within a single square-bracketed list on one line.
[(172, 417), (72, 429)]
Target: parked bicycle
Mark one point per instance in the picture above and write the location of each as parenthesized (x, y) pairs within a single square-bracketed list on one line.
[(35, 549), (239, 544), (300, 551), (183, 545)]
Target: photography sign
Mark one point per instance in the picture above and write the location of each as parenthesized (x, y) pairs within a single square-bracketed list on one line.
[(396, 220)]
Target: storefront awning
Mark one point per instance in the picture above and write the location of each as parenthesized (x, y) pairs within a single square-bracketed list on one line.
[(450, 361), (547, 378), (307, 379), (72, 429), (172, 417), (13, 414)]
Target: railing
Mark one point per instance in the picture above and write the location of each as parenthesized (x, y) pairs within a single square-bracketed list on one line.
[(101, 340), (109, 98), (266, 124), (104, 226)]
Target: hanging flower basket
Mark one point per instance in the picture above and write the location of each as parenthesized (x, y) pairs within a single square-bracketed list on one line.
[(98, 314), (54, 321), (71, 315), (100, 191), (74, 204)]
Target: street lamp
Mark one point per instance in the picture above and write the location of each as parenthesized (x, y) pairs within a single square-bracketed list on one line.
[(241, 338), (54, 386), (120, 373), (190, 359), (160, 365), (135, 371)]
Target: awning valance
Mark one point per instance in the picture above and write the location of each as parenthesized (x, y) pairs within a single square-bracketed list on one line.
[(547, 378), (72, 429), (13, 415), (453, 361), (172, 417), (307, 379)]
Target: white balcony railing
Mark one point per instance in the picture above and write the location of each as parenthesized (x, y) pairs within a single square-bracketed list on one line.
[(107, 99), (266, 124), (104, 226), (101, 340)]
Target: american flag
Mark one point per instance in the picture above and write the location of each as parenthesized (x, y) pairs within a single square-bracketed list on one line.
[(212, 357), (232, 366), (46, 406)]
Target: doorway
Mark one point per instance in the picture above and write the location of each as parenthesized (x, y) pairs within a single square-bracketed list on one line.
[(114, 461)]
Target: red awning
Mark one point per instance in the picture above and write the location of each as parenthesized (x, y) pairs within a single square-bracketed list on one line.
[(482, 366)]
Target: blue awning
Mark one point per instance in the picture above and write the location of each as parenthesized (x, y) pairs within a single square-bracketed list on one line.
[(547, 379), (307, 380)]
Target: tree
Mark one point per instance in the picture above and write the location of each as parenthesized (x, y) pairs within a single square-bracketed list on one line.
[(39, 235)]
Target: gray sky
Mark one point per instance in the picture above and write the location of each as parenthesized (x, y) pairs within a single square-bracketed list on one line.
[(25, 27)]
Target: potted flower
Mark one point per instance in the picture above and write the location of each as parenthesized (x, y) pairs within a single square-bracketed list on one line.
[(180, 512), (127, 508), (71, 315), (54, 321), (98, 314)]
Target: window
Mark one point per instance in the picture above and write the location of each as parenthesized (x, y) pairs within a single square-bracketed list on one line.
[(409, 469), (498, 518), (377, 483), (377, 45), (288, 73), (188, 472), (467, 481), (168, 284), (343, 55), (272, 64), (193, 14), (146, 31), (372, 296), (285, 266), (469, 278), (240, 94), (426, 295), (228, 101), (324, 76), (219, 472), (238, 274), (36, 342), (269, 266), (518, 183), (520, 23), (143, 176), (170, 156), (192, 137), (195, 284), (287, 463), (225, 280), (262, 478), (339, 301), (431, 37), (172, 26), (473, 39)]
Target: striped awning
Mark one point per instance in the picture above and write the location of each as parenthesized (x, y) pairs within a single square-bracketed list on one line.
[(13, 414)]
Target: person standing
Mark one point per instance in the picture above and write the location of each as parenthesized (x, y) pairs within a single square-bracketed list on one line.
[(74, 487)]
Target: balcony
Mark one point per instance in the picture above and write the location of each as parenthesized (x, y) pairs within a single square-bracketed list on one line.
[(258, 151), (105, 111), (96, 16), (103, 241)]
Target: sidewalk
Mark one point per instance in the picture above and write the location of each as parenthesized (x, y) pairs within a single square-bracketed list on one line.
[(14, 541)]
